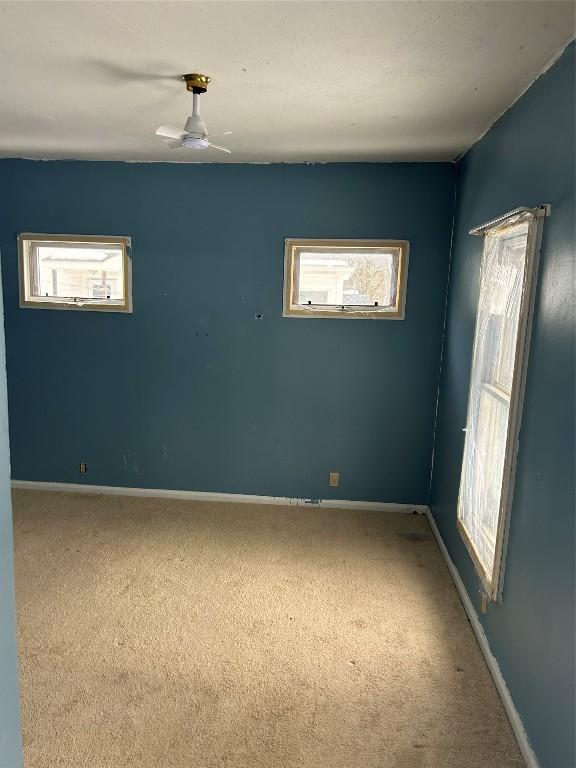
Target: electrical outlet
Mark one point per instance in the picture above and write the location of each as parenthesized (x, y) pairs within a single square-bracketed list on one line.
[(334, 479), (83, 468)]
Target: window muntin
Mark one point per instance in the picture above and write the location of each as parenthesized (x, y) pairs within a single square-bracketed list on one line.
[(75, 272), (508, 270), (345, 278)]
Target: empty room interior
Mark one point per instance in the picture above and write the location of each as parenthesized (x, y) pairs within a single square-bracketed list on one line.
[(287, 384)]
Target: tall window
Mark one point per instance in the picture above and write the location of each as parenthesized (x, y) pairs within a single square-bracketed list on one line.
[(508, 272), (345, 278), (75, 272)]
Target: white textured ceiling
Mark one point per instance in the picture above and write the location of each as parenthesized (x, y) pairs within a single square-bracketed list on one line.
[(294, 81)]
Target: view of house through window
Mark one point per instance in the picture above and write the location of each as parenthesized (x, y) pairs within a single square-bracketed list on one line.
[(87, 273), (345, 277), (348, 278), (74, 271)]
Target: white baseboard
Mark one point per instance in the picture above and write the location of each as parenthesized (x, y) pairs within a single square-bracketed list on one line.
[(513, 716), (163, 493)]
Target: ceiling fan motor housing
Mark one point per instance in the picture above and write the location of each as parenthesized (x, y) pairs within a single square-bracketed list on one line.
[(196, 126)]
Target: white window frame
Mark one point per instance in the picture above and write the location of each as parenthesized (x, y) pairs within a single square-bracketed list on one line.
[(493, 583), (28, 242), (291, 308)]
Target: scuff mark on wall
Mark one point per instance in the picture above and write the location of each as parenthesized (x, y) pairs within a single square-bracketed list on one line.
[(130, 463)]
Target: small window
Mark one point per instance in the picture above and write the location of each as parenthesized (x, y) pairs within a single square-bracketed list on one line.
[(75, 272), (345, 278)]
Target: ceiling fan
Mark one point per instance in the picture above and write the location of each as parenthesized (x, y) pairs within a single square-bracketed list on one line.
[(194, 135)]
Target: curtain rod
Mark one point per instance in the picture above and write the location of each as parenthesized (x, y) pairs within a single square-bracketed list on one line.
[(538, 212)]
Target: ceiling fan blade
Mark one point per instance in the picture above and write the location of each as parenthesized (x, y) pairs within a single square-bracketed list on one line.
[(174, 143), (222, 149), (219, 135), (169, 132)]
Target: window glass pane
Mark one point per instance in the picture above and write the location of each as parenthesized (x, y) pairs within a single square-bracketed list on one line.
[(78, 271), (507, 311), (483, 483), (339, 278)]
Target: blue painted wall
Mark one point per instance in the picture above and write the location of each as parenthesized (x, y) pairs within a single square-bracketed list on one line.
[(527, 158), (191, 391), (10, 740)]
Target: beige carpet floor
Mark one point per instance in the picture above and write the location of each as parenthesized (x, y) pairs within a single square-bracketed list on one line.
[(158, 633)]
